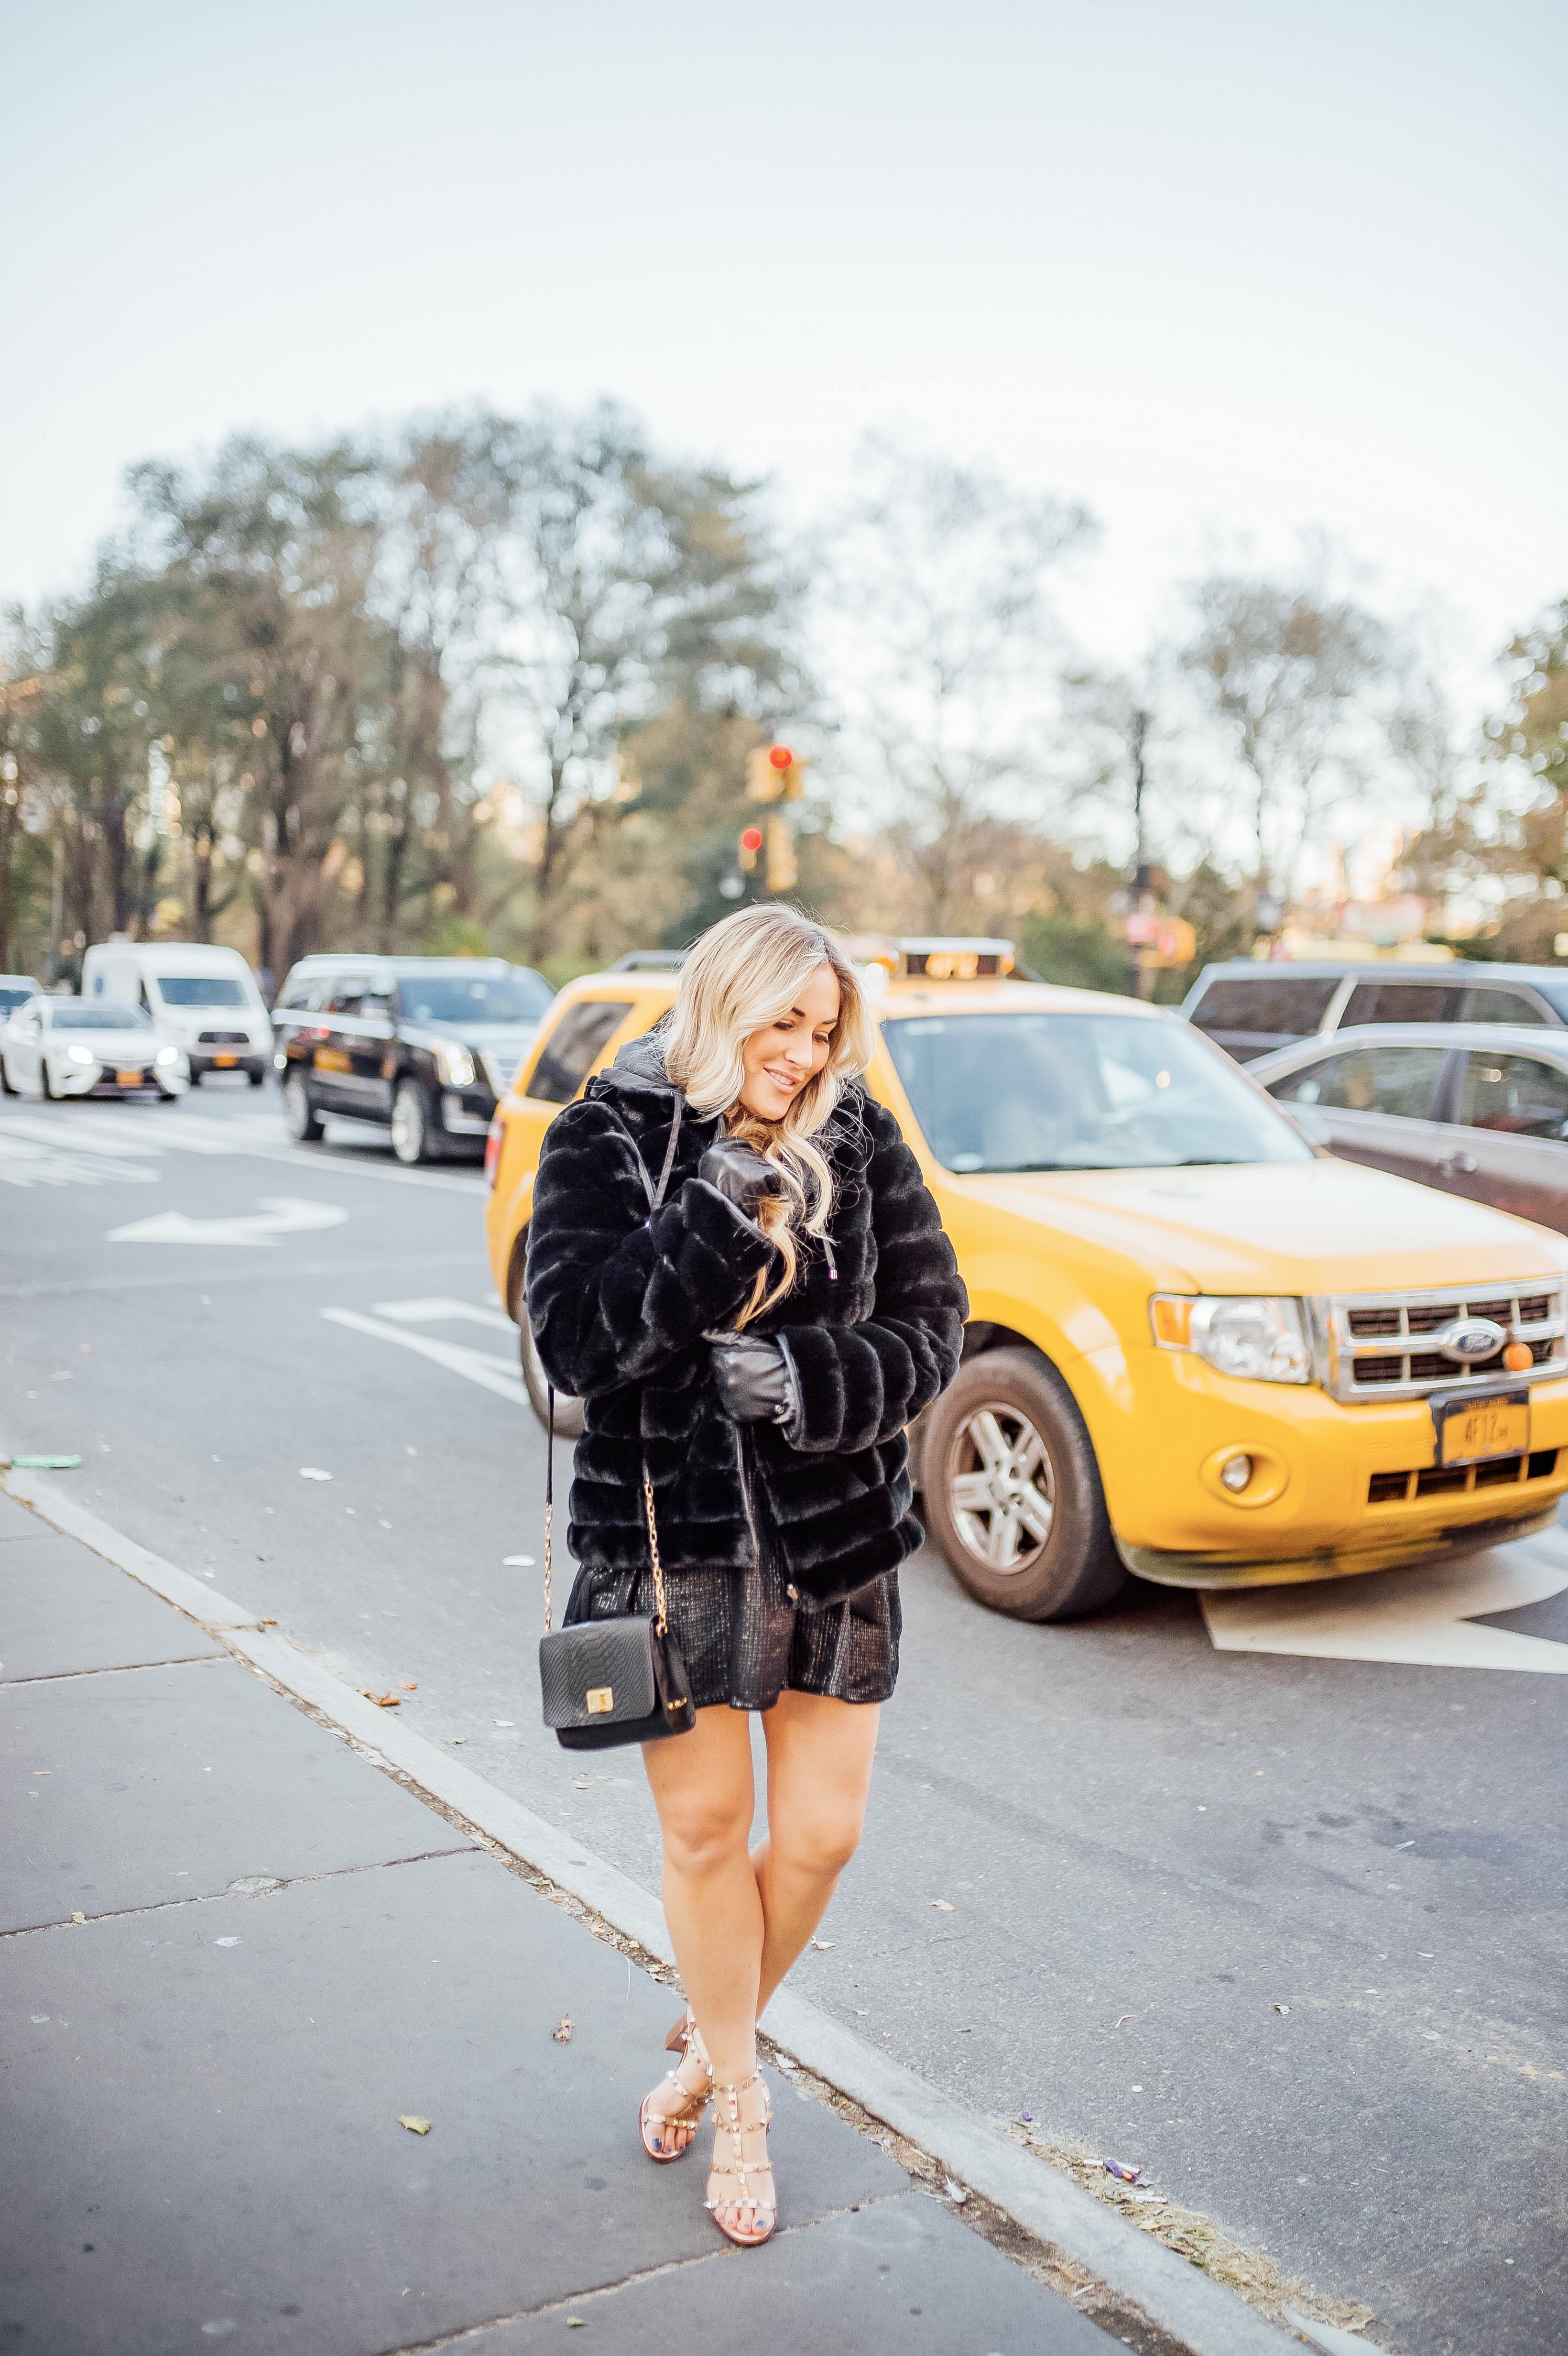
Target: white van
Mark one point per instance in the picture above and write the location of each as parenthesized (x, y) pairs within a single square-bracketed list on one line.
[(205, 999)]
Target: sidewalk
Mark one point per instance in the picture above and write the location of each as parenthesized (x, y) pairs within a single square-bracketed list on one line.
[(233, 1954)]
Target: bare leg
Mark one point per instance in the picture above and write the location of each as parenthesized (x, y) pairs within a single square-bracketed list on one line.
[(819, 1774), (702, 1788)]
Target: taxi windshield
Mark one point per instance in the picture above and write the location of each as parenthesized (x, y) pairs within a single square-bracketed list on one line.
[(1038, 1091)]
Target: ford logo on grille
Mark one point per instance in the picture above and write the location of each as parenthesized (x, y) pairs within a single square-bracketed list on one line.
[(1472, 1340)]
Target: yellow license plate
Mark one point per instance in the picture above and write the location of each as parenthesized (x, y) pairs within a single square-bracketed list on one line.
[(331, 1060), (129, 1079), (225, 1063), (1484, 1428)]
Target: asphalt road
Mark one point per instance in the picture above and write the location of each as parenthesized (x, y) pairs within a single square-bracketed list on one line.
[(1100, 1859)]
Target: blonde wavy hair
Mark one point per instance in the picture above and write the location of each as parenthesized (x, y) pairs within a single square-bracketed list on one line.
[(744, 973)]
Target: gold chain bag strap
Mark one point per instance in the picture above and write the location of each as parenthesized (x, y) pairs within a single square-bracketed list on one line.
[(609, 1682)]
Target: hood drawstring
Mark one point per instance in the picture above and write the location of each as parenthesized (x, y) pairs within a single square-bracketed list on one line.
[(832, 1263)]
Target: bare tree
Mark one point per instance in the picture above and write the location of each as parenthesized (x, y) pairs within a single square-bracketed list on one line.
[(943, 644), (630, 583), (1286, 672)]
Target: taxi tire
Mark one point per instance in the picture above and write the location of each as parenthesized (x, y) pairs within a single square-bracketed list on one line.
[(535, 1382), (1077, 1569)]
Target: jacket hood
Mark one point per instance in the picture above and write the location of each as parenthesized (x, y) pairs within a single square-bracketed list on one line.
[(638, 1070)]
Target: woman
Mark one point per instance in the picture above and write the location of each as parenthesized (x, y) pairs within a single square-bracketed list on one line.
[(734, 1261)]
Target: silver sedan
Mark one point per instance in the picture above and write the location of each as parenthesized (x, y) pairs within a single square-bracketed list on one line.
[(1477, 1110)]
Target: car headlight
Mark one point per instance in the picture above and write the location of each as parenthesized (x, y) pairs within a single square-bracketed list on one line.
[(168, 1055), (80, 1056), (1262, 1340), (456, 1066)]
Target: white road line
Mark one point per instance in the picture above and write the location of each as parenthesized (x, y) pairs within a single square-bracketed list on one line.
[(101, 1131), (1423, 1617), (432, 1311), (23, 1162), (280, 1214), (497, 1375)]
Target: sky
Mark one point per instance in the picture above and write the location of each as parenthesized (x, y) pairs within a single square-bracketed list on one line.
[(1223, 272)]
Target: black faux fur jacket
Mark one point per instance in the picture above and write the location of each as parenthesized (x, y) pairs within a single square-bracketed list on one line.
[(620, 1294)]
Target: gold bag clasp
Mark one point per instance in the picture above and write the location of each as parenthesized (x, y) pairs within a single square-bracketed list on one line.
[(600, 1699)]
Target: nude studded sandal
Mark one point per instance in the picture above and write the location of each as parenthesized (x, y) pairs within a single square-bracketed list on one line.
[(747, 2216), (670, 2116)]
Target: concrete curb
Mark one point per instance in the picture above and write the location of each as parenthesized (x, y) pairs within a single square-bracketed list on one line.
[(1205, 2319)]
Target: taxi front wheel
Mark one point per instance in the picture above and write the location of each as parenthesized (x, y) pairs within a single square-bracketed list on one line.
[(569, 1424), (1012, 1491)]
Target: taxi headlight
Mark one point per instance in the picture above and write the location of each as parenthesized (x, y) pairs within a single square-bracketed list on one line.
[(166, 1056), (80, 1056), (1262, 1340), (456, 1066)]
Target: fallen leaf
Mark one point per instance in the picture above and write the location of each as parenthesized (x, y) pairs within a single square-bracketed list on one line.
[(823, 1945), (382, 1701), (79, 1918), (1282, 2007), (562, 2032), (266, 1623), (942, 1906), (414, 2123), (410, 1685)]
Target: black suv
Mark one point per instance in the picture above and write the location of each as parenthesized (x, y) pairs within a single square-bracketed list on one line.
[(424, 1046)]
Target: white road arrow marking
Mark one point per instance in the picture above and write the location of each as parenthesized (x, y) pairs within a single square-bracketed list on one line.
[(1425, 1617), (280, 1214), (498, 1375)]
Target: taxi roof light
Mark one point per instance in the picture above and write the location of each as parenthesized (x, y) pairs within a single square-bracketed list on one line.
[(936, 956)]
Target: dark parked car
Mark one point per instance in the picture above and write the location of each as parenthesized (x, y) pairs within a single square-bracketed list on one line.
[(1249, 1008), (1483, 1115), (425, 1045)]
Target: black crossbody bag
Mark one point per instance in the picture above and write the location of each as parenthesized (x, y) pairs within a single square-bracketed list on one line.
[(606, 1683)]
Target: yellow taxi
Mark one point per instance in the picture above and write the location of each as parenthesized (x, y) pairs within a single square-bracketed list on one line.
[(1200, 1349)]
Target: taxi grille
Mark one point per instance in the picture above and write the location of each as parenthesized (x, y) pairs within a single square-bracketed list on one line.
[(1441, 1480), (1370, 1344)]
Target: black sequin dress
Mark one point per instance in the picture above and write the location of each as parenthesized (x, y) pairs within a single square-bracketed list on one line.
[(744, 1641)]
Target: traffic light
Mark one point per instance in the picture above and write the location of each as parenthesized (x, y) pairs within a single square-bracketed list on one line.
[(751, 839), (774, 774)]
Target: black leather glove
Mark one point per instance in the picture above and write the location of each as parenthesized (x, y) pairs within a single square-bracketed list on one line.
[(740, 1173), (752, 1376)]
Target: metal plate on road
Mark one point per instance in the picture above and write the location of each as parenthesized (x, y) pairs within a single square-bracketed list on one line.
[(1468, 1431)]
